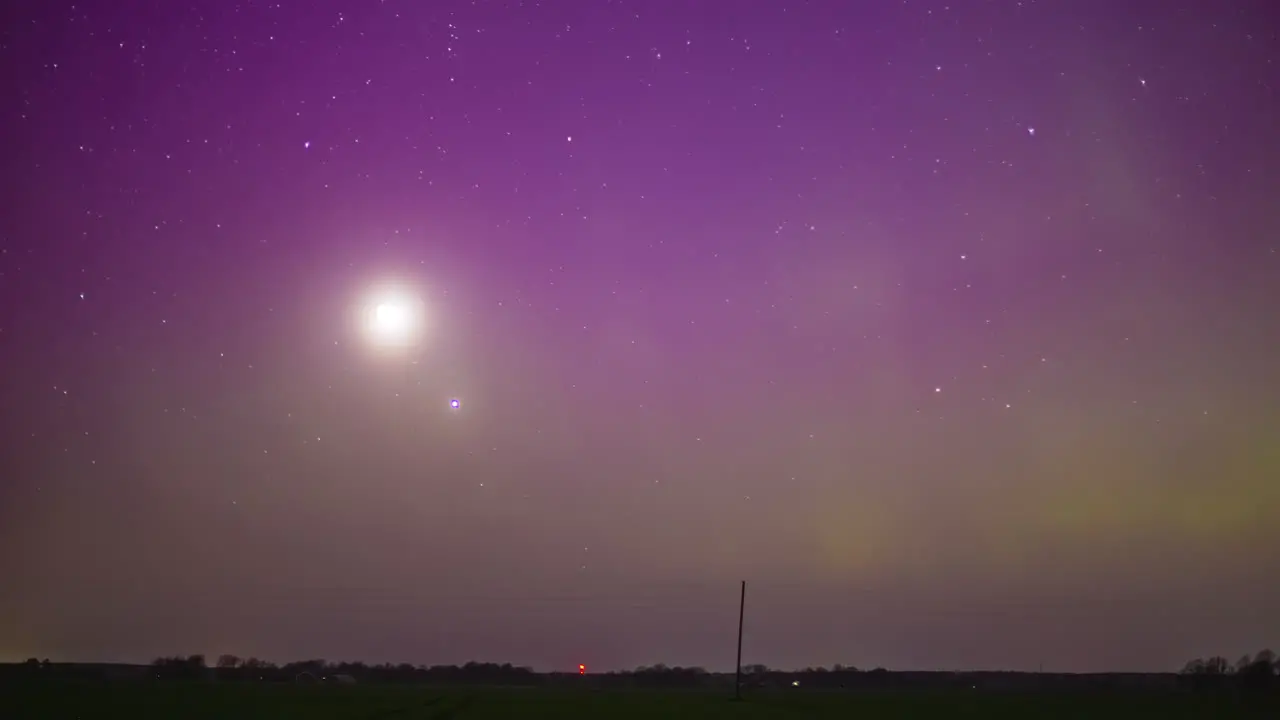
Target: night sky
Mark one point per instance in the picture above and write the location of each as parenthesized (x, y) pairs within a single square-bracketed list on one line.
[(952, 327)]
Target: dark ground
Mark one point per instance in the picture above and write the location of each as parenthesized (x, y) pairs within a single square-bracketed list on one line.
[(177, 701)]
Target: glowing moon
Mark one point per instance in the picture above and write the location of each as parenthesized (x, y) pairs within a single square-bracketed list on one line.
[(393, 318)]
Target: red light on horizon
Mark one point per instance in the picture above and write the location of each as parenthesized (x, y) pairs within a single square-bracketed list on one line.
[(582, 669)]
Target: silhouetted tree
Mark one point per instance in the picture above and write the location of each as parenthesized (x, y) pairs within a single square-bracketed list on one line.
[(1260, 673), (228, 662), (1249, 673), (32, 668), (179, 668), (1216, 665)]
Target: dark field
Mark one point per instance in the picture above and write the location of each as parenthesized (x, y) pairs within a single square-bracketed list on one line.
[(280, 702)]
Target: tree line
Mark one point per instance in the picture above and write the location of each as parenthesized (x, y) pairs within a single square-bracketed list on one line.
[(1258, 671), (231, 667), (1261, 670)]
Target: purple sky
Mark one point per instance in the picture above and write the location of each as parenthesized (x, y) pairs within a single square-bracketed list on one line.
[(949, 326)]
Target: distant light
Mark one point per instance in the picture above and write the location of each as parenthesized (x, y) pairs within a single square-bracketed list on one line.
[(454, 404), (582, 669)]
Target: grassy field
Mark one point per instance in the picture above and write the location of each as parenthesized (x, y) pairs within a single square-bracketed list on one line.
[(282, 702)]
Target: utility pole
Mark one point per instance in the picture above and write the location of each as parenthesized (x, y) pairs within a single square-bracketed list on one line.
[(737, 678)]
